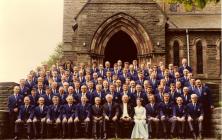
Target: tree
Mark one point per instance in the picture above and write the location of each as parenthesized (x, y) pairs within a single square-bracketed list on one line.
[(189, 4), (55, 57)]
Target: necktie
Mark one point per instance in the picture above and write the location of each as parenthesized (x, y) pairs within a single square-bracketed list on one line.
[(194, 106), (41, 109), (110, 108)]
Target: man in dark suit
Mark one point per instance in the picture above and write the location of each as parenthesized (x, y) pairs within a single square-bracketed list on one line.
[(98, 93), (184, 66), (101, 72), (180, 112), (126, 117), (33, 97), (62, 96), (39, 118), (82, 115), (24, 91), (166, 115), (173, 93), (14, 102), (110, 113), (186, 96), (68, 116), (97, 118), (153, 116), (116, 96), (84, 93), (54, 116), (25, 117), (126, 92), (195, 114)]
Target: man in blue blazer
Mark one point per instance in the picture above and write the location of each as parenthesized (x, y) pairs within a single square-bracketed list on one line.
[(166, 115), (82, 115), (14, 102), (195, 114), (153, 116), (68, 116), (54, 117), (180, 112), (25, 116), (39, 118)]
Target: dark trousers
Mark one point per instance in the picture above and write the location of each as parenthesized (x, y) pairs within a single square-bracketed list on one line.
[(194, 123), (53, 130), (126, 128), (97, 128), (77, 128), (110, 123), (67, 129), (153, 126), (166, 122), (19, 127), (39, 128), (12, 119), (180, 127)]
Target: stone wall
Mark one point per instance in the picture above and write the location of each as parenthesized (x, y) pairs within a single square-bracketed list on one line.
[(217, 123), (6, 89)]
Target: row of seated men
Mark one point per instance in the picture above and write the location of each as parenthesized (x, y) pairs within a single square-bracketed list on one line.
[(43, 118), (131, 80)]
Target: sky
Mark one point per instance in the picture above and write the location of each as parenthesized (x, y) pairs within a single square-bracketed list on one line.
[(29, 32)]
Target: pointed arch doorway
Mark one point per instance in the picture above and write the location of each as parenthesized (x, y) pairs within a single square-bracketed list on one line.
[(121, 35), (120, 47)]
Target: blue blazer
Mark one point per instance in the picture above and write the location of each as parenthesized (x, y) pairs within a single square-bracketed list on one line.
[(194, 112), (38, 114), (152, 111), (69, 111), (25, 114), (82, 112), (54, 112), (14, 103), (166, 109), (180, 112)]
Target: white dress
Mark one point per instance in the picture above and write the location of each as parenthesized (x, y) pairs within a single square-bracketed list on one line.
[(140, 129)]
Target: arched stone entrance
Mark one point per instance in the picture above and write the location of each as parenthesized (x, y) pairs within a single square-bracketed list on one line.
[(120, 47), (131, 27)]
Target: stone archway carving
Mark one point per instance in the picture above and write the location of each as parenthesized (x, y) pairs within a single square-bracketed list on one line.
[(114, 24)]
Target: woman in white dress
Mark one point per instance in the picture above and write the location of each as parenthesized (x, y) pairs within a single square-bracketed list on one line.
[(140, 129)]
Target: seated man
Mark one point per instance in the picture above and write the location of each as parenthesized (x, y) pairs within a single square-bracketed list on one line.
[(126, 117), (54, 118), (82, 115), (195, 115), (166, 115), (110, 113), (68, 117), (24, 117), (153, 116), (39, 118), (97, 118), (179, 111)]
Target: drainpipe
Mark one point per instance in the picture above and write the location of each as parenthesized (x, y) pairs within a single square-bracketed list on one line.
[(188, 47)]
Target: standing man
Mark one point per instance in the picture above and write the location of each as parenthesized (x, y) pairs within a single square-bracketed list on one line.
[(14, 102)]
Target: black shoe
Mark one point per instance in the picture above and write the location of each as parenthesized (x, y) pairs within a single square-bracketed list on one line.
[(105, 136), (95, 137), (15, 138), (171, 136), (200, 136), (28, 138), (194, 135)]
